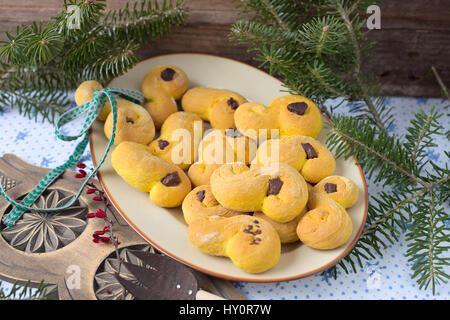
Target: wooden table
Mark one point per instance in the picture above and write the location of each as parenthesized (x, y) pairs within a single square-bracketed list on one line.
[(414, 36)]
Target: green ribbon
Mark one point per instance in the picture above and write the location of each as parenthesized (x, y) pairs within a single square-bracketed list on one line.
[(91, 109)]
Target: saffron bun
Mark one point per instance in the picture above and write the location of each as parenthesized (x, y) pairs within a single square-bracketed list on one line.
[(219, 147), (200, 173), (307, 155), (252, 244), (179, 137), (166, 183), (290, 114), (280, 192), (214, 105), (326, 225), (162, 86), (85, 93), (341, 189), (200, 203), (133, 123), (287, 231)]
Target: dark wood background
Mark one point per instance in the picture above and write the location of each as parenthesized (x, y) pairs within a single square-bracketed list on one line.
[(414, 36)]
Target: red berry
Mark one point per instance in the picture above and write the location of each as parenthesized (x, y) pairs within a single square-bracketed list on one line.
[(99, 233), (90, 191), (90, 215), (82, 172), (80, 175), (81, 165), (105, 228), (98, 239), (100, 213), (97, 198)]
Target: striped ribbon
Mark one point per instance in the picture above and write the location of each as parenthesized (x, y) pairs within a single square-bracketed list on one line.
[(91, 109)]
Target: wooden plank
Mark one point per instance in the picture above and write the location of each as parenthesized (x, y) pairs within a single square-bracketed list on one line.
[(414, 36)]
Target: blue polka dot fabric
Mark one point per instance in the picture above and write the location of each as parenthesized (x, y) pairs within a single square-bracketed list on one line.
[(387, 277)]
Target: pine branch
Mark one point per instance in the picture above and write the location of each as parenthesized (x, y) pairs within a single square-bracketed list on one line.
[(53, 57), (445, 93), (443, 87), (345, 15), (44, 104), (291, 12), (379, 152), (426, 237), (262, 34), (275, 15), (25, 292), (42, 77), (412, 199), (32, 45), (318, 48), (420, 134), (114, 64), (333, 85), (389, 218), (32, 91), (85, 18), (319, 33), (144, 21)]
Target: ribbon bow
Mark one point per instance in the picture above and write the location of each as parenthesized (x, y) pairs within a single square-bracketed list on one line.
[(91, 109)]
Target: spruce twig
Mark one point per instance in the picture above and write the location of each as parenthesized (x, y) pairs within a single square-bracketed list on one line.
[(328, 47), (25, 292), (445, 93), (367, 148), (357, 68), (55, 58), (318, 48), (390, 212), (275, 15), (441, 83)]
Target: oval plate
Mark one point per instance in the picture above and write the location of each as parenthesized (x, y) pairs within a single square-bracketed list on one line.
[(165, 229)]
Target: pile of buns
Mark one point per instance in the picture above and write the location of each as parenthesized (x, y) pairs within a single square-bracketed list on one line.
[(248, 177)]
